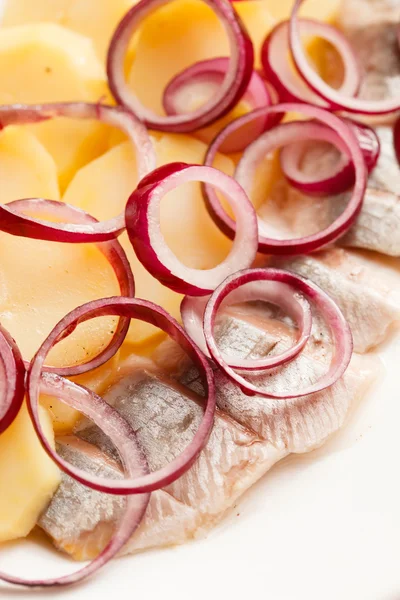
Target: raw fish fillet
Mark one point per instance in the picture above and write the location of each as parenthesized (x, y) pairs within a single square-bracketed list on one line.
[(289, 213), (250, 435), (371, 26), (366, 290)]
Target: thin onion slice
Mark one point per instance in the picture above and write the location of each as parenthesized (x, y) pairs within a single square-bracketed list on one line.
[(228, 94), (205, 77), (115, 255), (134, 462), (272, 139), (336, 99), (17, 224), (279, 72), (340, 331), (396, 138), (279, 294), (12, 379), (143, 226), (341, 177), (149, 313)]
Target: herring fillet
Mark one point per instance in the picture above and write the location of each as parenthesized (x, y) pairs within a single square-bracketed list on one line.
[(290, 213), (371, 26), (165, 414), (366, 290)]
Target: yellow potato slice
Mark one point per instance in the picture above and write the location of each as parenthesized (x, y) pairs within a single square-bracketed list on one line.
[(96, 19), (28, 477), (103, 187), (45, 63), (41, 281), (26, 168), (169, 42)]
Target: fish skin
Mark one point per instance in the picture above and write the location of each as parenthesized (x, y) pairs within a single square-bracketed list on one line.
[(77, 515), (165, 416), (299, 424), (366, 290)]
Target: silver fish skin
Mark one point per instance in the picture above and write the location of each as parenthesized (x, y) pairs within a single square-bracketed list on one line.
[(81, 521), (165, 418), (366, 289), (299, 424)]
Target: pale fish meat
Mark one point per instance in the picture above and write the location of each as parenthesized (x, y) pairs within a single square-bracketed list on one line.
[(366, 289), (371, 26), (289, 213), (250, 435)]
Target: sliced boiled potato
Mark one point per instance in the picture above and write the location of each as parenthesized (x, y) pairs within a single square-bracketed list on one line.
[(44, 63), (28, 477), (26, 168), (41, 281), (96, 19), (169, 42), (186, 225), (63, 416)]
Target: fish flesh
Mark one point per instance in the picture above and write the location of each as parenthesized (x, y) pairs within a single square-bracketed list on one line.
[(371, 27), (289, 213), (366, 289), (250, 435)]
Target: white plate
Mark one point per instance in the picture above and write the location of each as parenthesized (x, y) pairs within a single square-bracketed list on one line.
[(322, 526)]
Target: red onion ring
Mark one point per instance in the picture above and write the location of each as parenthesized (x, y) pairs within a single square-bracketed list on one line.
[(280, 294), (271, 140), (12, 380), (210, 74), (229, 93), (340, 331), (396, 138), (279, 71), (142, 218), (17, 224), (336, 99), (135, 465), (342, 176), (149, 313), (115, 255)]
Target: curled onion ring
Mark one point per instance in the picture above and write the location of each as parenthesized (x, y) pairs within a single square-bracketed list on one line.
[(336, 99), (341, 177), (208, 75), (149, 313), (12, 379), (135, 465), (340, 331), (280, 294), (288, 84), (115, 255), (272, 139), (13, 222), (143, 226), (232, 89)]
